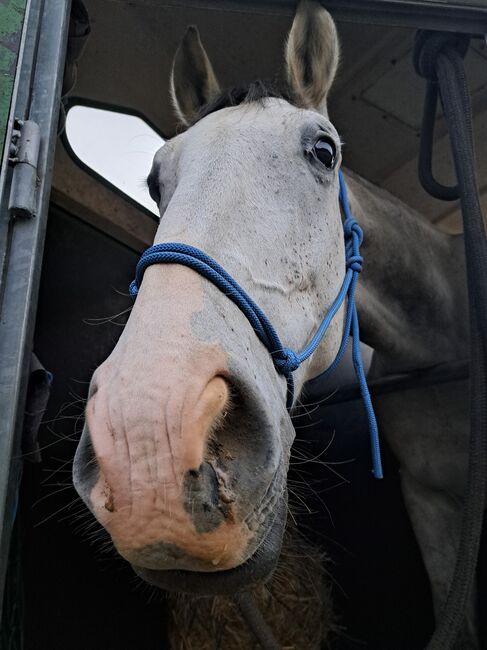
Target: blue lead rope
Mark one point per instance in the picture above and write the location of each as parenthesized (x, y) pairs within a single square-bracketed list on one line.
[(286, 361)]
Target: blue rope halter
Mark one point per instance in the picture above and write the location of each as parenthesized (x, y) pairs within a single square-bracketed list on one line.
[(286, 361)]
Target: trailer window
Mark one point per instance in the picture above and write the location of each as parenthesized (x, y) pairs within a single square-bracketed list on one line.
[(117, 146)]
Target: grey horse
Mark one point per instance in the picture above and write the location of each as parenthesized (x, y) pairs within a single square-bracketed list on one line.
[(185, 451)]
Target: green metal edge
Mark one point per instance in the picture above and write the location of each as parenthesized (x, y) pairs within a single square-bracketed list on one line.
[(12, 13)]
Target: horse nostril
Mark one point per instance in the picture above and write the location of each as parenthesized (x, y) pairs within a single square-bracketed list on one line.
[(216, 396), (201, 418)]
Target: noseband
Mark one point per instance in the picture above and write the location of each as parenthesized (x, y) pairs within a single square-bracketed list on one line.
[(285, 360)]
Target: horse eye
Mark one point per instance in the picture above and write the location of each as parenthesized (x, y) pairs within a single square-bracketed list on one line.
[(155, 194), (153, 187), (325, 151)]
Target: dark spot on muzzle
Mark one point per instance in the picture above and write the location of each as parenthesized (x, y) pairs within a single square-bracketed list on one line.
[(207, 496)]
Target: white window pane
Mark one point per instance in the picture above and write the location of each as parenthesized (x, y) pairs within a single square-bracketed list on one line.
[(118, 147)]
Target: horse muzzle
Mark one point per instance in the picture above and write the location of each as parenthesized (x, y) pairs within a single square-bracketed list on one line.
[(184, 455), (257, 569)]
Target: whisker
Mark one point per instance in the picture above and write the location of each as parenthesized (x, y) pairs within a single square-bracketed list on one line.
[(318, 456), (106, 319), (51, 494), (53, 514)]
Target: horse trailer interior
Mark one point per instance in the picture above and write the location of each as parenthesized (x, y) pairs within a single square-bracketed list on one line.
[(65, 587)]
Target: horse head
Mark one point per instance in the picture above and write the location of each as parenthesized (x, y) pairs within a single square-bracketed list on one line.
[(185, 451)]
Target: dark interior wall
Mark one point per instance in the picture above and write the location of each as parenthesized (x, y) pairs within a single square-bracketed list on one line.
[(77, 596), (381, 592)]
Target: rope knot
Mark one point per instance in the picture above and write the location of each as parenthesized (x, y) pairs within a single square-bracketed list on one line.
[(353, 238), (429, 45), (351, 227), (287, 361), (355, 262)]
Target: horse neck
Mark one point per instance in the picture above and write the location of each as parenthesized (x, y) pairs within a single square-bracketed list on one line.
[(411, 295)]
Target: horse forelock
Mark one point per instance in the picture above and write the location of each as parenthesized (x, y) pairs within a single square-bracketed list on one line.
[(252, 92)]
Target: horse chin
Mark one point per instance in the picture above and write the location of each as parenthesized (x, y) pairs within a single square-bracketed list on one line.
[(255, 570)]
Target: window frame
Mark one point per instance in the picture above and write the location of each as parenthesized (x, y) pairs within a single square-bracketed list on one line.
[(70, 103)]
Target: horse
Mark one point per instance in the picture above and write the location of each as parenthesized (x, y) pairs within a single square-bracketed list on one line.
[(185, 450)]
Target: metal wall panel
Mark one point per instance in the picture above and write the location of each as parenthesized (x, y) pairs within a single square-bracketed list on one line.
[(22, 241), (468, 16)]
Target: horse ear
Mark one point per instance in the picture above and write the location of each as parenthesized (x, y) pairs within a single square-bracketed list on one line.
[(312, 54), (193, 83)]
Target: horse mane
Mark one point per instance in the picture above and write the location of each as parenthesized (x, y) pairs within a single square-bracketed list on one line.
[(254, 91)]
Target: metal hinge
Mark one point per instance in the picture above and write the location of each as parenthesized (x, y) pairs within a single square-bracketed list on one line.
[(24, 154)]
